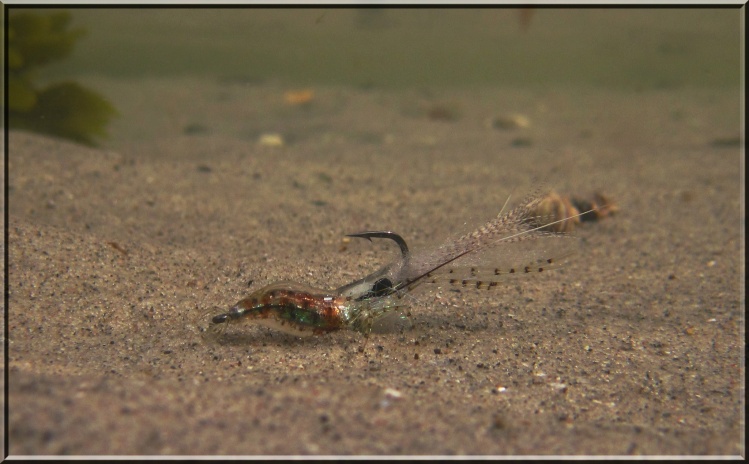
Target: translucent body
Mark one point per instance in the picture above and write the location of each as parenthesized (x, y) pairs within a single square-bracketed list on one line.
[(302, 310)]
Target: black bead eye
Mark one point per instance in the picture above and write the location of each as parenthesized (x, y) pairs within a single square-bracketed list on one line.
[(381, 287), (220, 319)]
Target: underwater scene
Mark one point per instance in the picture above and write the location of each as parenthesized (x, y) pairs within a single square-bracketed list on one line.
[(374, 231)]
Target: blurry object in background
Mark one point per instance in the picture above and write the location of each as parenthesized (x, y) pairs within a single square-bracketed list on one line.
[(321, 17), (64, 109), (524, 16), (602, 206), (271, 139), (510, 122), (727, 142), (556, 207), (521, 142), (299, 97), (553, 208), (443, 111)]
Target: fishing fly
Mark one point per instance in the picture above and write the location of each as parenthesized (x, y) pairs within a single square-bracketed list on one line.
[(511, 243)]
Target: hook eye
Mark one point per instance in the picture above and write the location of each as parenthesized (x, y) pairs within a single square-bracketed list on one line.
[(384, 234)]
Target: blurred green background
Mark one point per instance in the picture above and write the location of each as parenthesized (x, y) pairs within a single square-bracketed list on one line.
[(632, 48)]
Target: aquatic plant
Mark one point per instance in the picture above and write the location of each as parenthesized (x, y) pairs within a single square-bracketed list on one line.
[(63, 109)]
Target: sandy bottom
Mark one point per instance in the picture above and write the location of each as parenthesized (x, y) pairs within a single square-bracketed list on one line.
[(634, 347)]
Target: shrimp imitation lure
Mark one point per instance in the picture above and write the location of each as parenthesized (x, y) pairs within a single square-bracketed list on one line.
[(470, 260)]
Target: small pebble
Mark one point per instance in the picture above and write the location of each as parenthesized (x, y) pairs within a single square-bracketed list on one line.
[(511, 121), (271, 140)]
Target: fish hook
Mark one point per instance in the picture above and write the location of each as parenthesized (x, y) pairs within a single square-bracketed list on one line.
[(384, 234)]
